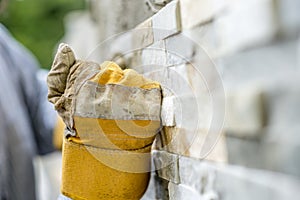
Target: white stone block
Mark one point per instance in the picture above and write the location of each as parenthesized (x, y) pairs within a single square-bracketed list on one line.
[(204, 38), (154, 57), (245, 24), (245, 112), (168, 111), (180, 49), (167, 21), (182, 192), (236, 183), (167, 165), (194, 12), (289, 16), (143, 35)]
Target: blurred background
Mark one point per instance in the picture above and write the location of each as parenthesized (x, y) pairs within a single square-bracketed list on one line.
[(241, 61), (39, 25)]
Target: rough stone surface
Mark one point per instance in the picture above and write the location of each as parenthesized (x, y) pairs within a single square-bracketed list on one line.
[(114, 16), (179, 191), (167, 111), (204, 37), (258, 66), (194, 12), (288, 12), (244, 112), (206, 180), (167, 165), (154, 58), (143, 35), (274, 152), (235, 28), (167, 21), (282, 100), (179, 54), (235, 183)]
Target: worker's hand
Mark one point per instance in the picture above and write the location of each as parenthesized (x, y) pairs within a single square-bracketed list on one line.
[(65, 71), (112, 118)]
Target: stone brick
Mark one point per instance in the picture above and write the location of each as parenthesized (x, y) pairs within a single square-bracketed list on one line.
[(120, 15), (167, 111), (178, 140), (167, 21), (154, 57), (288, 12), (282, 102), (246, 24), (259, 66), (118, 45), (194, 12), (180, 50), (212, 181), (245, 112), (276, 151), (161, 188), (245, 152), (197, 174), (235, 183), (166, 165), (204, 37), (143, 35), (190, 143), (182, 192)]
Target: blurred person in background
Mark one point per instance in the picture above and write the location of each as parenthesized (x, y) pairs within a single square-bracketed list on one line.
[(26, 120)]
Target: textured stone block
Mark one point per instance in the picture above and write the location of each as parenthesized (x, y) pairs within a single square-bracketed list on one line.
[(182, 192), (245, 152), (143, 35), (282, 102), (119, 45), (167, 21), (120, 15), (288, 12), (191, 143), (235, 183), (166, 165), (260, 66), (212, 181), (197, 174), (204, 37), (194, 12), (178, 141), (276, 151), (180, 49), (167, 111), (244, 112), (154, 57), (161, 188), (247, 23)]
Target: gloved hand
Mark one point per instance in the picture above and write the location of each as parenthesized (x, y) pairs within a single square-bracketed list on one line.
[(112, 117)]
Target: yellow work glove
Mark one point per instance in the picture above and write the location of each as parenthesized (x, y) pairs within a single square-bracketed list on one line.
[(112, 117)]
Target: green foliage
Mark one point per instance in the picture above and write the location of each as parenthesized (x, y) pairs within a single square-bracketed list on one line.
[(38, 24)]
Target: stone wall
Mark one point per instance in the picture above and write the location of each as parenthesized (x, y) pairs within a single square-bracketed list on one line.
[(230, 77)]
